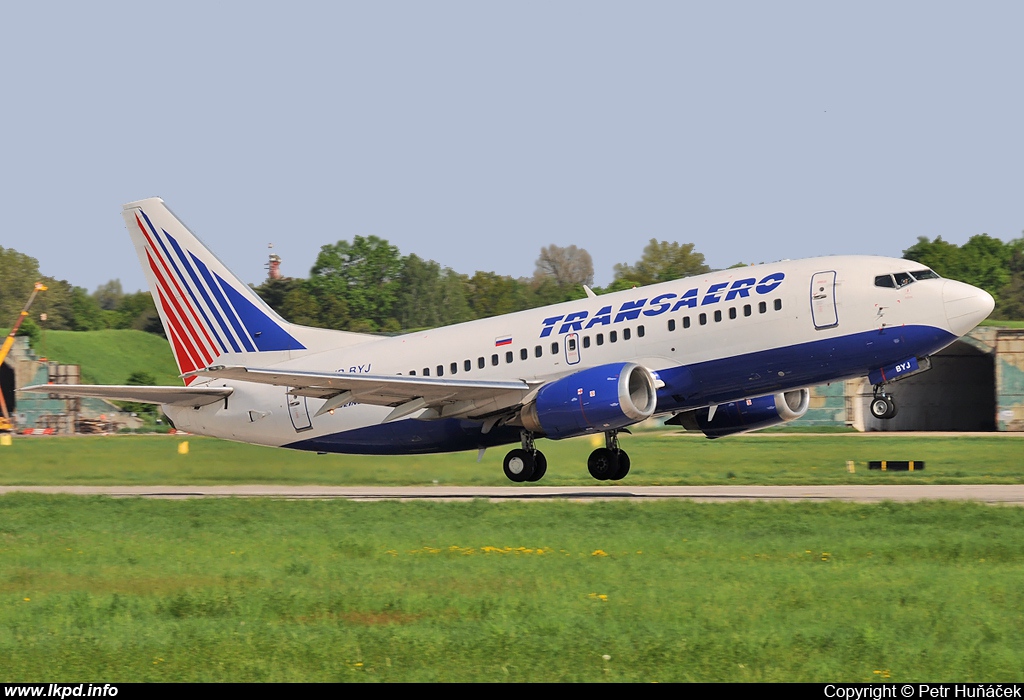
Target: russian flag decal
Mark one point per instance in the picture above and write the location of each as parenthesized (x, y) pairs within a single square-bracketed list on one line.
[(502, 340)]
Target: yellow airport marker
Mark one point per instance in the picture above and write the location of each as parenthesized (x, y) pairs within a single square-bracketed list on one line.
[(183, 448)]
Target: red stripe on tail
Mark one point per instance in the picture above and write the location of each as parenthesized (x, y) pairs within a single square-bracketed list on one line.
[(184, 300), (196, 357)]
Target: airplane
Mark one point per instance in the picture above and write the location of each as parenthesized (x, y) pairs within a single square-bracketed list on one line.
[(723, 352)]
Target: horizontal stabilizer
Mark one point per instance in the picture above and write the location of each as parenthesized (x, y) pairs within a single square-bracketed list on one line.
[(171, 395)]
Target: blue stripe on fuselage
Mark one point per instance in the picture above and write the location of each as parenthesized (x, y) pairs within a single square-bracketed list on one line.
[(714, 381), (411, 437), (806, 364)]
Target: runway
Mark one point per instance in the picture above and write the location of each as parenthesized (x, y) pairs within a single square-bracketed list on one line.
[(1010, 494)]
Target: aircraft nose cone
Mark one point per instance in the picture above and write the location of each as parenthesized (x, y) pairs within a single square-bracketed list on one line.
[(966, 306)]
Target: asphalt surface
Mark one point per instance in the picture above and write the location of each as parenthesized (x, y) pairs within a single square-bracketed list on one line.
[(1012, 494)]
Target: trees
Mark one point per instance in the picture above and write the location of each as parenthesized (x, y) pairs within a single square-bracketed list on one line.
[(662, 262), (363, 274), (983, 261), (567, 267), (430, 295)]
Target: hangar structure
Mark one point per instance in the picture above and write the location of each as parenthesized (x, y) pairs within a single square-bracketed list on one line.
[(41, 414)]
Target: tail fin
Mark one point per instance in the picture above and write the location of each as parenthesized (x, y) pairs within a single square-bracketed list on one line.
[(206, 311)]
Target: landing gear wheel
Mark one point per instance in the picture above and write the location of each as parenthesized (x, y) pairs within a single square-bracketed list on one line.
[(879, 407), (883, 407), (518, 465), (603, 463), (540, 466), (623, 469)]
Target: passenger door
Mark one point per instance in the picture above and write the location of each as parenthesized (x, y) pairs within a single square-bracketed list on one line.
[(823, 300)]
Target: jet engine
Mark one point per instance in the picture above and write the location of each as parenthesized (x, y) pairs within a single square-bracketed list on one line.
[(749, 414), (592, 400)]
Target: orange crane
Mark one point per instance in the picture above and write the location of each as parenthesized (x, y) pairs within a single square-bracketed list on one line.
[(5, 418)]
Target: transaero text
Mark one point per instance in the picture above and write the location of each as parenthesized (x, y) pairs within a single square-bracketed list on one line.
[(669, 301)]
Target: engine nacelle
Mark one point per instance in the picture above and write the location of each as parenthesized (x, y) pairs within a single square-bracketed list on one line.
[(592, 400), (750, 414)]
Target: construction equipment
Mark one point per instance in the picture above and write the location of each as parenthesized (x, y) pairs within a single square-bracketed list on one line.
[(5, 417)]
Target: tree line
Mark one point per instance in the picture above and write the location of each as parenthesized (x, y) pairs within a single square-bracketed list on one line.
[(983, 261), (367, 285), (65, 306)]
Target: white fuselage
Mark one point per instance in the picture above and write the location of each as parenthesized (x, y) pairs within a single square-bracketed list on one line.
[(710, 339)]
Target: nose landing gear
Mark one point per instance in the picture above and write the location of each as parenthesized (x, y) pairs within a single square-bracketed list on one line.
[(882, 405)]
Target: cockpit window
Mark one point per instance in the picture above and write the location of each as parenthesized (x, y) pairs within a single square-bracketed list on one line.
[(902, 279)]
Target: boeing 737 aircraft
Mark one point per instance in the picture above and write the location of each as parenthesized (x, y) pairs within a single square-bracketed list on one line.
[(724, 352)]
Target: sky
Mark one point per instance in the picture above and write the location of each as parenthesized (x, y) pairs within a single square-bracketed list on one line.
[(475, 133)]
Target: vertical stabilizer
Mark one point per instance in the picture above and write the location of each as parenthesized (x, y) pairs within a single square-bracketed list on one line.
[(206, 310)]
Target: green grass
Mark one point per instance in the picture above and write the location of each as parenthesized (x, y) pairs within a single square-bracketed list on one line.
[(110, 356), (658, 457), (1002, 324), (105, 590)]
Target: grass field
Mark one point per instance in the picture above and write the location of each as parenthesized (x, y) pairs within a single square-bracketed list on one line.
[(110, 356), (658, 457), (109, 590), (106, 590)]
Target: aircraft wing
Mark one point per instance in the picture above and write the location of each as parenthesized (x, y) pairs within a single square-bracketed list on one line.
[(173, 395), (406, 394)]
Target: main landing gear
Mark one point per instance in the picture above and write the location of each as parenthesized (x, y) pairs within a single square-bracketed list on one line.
[(609, 463), (882, 405), (526, 464)]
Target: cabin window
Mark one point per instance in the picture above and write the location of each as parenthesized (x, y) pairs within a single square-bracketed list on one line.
[(523, 354), (746, 309), (732, 312), (481, 362), (703, 318), (762, 307), (467, 365), (625, 334), (508, 356), (686, 321), (586, 341), (613, 336), (671, 324), (778, 304), (440, 370), (554, 348), (538, 351), (600, 338), (640, 331), (718, 316), (884, 281), (572, 344), (426, 371), (412, 373), (454, 367), (494, 360)]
